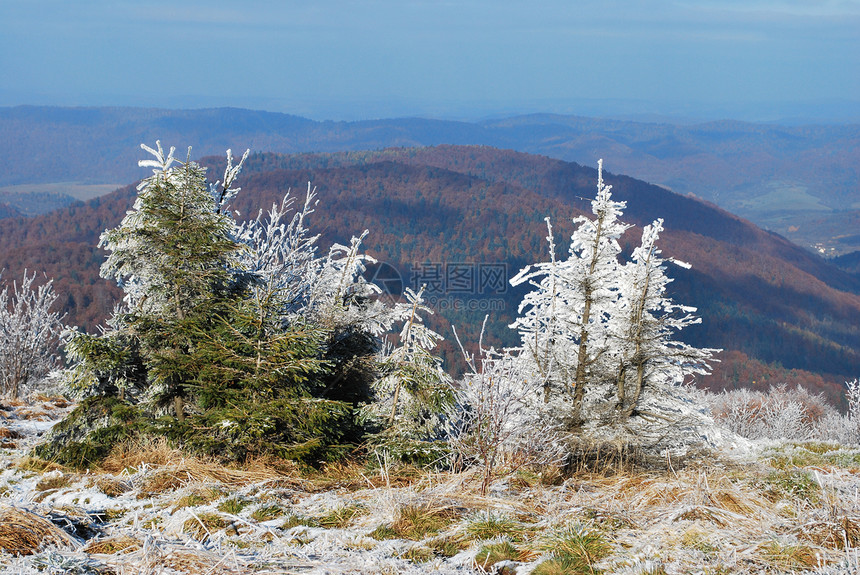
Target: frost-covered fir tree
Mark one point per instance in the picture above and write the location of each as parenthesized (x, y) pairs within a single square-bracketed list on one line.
[(599, 332), (234, 339), (413, 392), (565, 321), (172, 253), (648, 359)]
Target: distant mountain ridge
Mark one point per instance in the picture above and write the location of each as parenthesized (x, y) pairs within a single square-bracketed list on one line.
[(780, 177), (782, 313)]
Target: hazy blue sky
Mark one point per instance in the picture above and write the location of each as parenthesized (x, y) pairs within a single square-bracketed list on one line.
[(373, 58)]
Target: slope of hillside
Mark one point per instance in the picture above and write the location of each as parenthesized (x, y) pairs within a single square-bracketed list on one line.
[(777, 176), (473, 210), (780, 508)]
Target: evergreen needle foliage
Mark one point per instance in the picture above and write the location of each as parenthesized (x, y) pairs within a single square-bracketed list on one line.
[(235, 339), (596, 332)]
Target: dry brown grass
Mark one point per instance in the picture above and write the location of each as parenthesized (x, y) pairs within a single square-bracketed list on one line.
[(112, 545), (270, 464), (704, 514), (35, 413), (600, 457), (111, 486), (177, 471), (54, 481), (354, 476), (163, 480), (203, 470), (134, 454), (790, 557), (159, 453), (194, 563), (38, 465), (701, 494), (6, 433), (190, 471), (735, 502), (58, 402), (25, 533), (838, 533)]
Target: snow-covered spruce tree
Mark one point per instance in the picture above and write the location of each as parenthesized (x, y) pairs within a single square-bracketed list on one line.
[(172, 253), (413, 393), (643, 328), (565, 321), (598, 332), (29, 335), (243, 329)]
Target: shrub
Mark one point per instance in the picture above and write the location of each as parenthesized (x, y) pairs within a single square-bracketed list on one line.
[(781, 413), (29, 335), (89, 433)]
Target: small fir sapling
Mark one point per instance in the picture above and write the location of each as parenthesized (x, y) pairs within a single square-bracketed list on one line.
[(413, 392), (580, 295), (173, 251)]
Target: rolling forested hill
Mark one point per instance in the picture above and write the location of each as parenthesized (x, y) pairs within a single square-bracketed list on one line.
[(459, 218), (800, 181)]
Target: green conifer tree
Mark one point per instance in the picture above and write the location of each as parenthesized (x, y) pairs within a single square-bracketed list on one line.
[(173, 251)]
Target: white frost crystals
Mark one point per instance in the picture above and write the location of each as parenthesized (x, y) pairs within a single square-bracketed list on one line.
[(29, 334), (596, 335), (291, 281)]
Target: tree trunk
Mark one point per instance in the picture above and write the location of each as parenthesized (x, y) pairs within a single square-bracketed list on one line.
[(581, 363), (179, 407)]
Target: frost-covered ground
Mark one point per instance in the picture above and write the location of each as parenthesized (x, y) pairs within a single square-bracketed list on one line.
[(784, 508)]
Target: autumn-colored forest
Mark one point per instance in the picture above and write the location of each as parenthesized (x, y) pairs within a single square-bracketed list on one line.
[(781, 313)]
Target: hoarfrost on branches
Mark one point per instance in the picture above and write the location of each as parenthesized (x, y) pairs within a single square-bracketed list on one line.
[(29, 335), (497, 421), (341, 296), (596, 333), (784, 413), (413, 392), (564, 321), (173, 241), (223, 191), (281, 257), (643, 349)]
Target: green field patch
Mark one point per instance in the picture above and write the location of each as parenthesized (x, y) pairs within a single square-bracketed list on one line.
[(77, 190)]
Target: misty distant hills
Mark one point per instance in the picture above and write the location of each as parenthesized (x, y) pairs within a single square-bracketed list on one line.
[(782, 313), (800, 181)]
